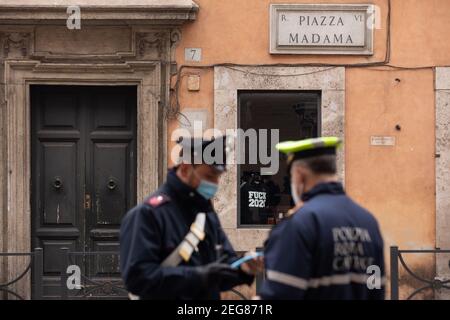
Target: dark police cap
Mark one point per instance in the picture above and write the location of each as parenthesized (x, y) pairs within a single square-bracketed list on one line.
[(205, 151)]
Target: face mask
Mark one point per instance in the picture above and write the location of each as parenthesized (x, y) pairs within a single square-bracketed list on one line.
[(206, 189), (295, 195)]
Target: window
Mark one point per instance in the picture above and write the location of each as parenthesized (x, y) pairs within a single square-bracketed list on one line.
[(296, 114)]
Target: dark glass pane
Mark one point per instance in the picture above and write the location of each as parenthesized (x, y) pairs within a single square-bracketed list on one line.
[(262, 198)]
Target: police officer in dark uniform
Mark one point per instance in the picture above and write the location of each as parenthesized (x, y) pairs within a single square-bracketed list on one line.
[(172, 245), (330, 248)]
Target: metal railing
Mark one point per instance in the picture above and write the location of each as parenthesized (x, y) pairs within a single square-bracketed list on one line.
[(428, 284), (34, 268)]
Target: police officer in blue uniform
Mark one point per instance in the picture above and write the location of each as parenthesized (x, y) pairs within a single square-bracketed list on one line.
[(172, 245), (330, 247)]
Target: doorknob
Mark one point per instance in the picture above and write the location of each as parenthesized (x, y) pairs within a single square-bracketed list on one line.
[(57, 183), (111, 184)]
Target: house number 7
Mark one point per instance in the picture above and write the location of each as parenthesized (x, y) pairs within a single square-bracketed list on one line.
[(193, 54)]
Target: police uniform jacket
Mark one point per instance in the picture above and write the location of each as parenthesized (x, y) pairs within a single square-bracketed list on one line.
[(153, 229), (331, 248)]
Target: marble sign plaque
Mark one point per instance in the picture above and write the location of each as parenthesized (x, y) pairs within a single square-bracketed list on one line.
[(321, 29)]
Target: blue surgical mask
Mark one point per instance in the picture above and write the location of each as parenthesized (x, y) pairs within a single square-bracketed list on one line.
[(207, 189)]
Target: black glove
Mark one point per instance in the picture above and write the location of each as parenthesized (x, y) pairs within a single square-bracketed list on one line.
[(216, 274)]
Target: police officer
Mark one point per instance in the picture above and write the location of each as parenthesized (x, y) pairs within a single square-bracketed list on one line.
[(172, 245), (330, 248)]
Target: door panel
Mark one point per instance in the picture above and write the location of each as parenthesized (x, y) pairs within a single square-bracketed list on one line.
[(83, 174), (110, 196), (59, 183), (51, 250), (111, 168), (57, 166), (60, 108)]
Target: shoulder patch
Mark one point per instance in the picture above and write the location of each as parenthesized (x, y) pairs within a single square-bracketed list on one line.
[(157, 200)]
